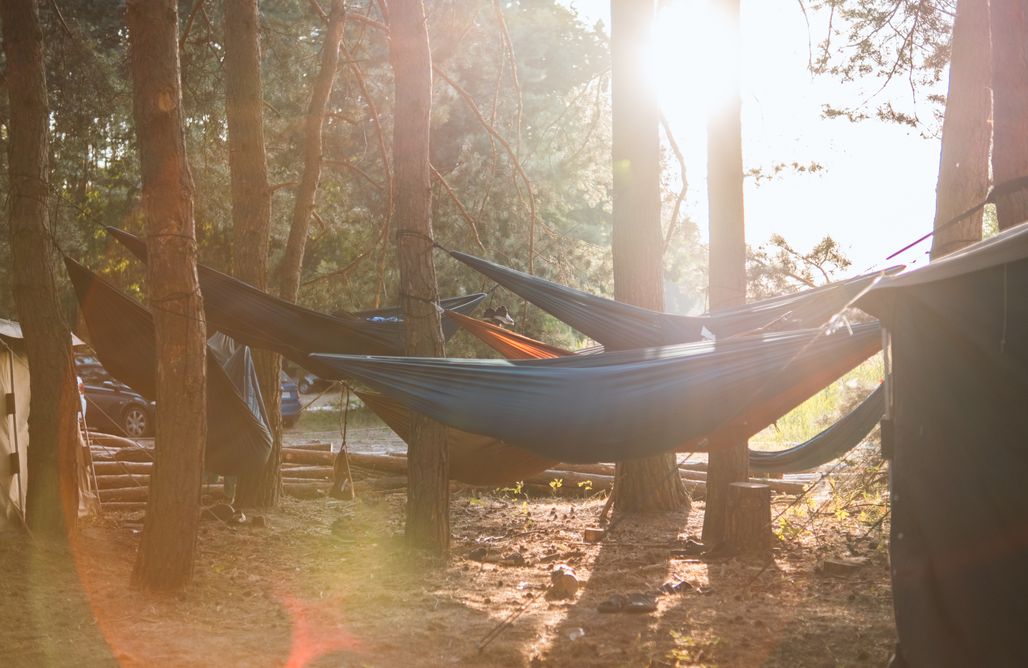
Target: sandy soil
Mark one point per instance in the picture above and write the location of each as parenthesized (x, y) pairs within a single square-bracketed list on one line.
[(327, 583)]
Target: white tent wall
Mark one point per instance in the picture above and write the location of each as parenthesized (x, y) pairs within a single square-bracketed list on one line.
[(14, 431)]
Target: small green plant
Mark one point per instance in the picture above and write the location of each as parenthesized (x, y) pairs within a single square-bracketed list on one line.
[(555, 485), (586, 486)]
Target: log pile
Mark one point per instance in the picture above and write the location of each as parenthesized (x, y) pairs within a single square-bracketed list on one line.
[(122, 474)]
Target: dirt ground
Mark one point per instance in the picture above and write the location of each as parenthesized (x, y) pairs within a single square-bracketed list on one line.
[(327, 583)]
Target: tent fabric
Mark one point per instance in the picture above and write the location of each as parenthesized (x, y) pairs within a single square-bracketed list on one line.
[(258, 319), (959, 386), (121, 333), (832, 443), (621, 405), (474, 459), (620, 326), (237, 361), (14, 432)]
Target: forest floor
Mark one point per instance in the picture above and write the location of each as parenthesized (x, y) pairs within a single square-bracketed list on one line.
[(327, 583)]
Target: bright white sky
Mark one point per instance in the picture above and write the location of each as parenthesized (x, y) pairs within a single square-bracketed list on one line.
[(877, 191)]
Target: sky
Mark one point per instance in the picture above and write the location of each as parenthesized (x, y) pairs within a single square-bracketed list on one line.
[(877, 190)]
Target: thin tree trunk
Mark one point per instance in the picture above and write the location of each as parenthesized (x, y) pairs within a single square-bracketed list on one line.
[(306, 192), (165, 559), (251, 215), (1009, 20), (728, 460), (428, 491), (964, 160), (52, 495), (652, 483)]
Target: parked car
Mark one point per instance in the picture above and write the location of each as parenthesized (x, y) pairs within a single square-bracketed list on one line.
[(110, 405), (291, 407), (305, 381)]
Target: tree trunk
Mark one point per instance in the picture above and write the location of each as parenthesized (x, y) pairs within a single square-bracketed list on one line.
[(303, 208), (1009, 19), (964, 162), (748, 521), (165, 559), (428, 492), (729, 461), (652, 483), (52, 495), (251, 215)]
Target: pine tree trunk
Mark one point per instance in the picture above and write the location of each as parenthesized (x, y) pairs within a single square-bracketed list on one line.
[(1009, 20), (52, 495), (729, 460), (649, 484), (165, 559), (251, 215), (303, 208), (428, 491), (964, 161)]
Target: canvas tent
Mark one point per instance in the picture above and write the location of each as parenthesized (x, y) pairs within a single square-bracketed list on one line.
[(14, 432), (14, 436), (958, 436)]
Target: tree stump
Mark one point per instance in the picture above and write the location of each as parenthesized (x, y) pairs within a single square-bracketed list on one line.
[(748, 520)]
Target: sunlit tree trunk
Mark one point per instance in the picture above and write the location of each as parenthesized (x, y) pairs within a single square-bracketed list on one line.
[(52, 495), (428, 491), (966, 133), (652, 483), (165, 559), (251, 214), (1009, 20), (729, 460)]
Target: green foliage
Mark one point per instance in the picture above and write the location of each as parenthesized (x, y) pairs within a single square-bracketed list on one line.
[(894, 43), (777, 268)]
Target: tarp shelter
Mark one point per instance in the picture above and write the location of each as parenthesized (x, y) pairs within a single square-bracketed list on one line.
[(122, 334), (14, 432), (260, 320), (959, 454)]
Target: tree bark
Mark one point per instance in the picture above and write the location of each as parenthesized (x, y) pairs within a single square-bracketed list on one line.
[(964, 160), (306, 192), (428, 491), (649, 484), (748, 525), (251, 215), (1009, 20), (165, 559), (51, 505), (729, 460)]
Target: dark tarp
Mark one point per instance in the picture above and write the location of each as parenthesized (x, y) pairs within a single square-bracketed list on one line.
[(959, 543), (620, 405), (260, 320), (621, 326), (474, 459), (832, 443), (122, 334)]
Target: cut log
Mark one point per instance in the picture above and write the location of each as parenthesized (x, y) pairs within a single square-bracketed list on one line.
[(111, 441), (118, 468), (316, 472), (748, 518), (308, 457), (122, 480), (317, 446)]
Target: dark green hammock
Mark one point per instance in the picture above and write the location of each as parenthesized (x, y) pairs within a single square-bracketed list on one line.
[(621, 405), (620, 326), (258, 319), (121, 332), (832, 443)]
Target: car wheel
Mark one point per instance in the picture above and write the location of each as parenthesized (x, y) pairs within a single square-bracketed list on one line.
[(135, 421)]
